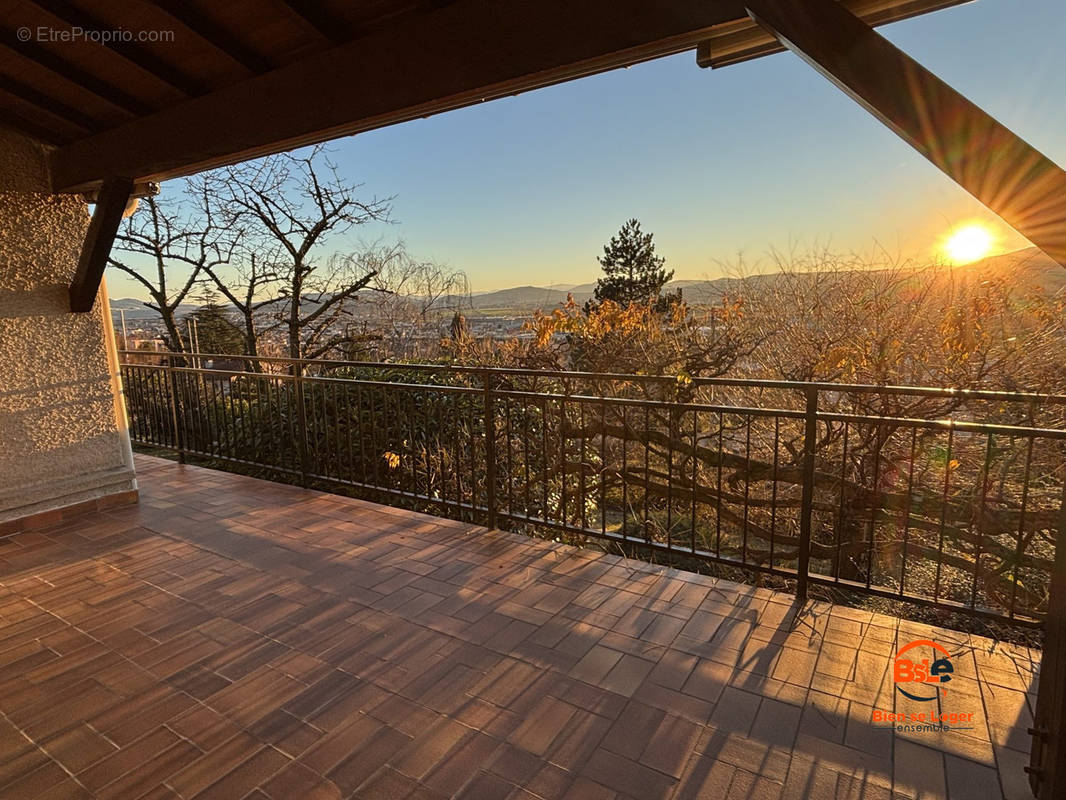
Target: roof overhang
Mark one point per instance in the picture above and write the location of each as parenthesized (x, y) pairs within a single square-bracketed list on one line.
[(421, 59)]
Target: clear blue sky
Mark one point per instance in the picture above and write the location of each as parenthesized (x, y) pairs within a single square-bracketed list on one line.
[(715, 162)]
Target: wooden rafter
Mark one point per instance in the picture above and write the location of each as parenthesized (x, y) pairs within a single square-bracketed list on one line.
[(216, 36), (132, 52), (32, 51), (1012, 178), (56, 108), (19, 122), (320, 20)]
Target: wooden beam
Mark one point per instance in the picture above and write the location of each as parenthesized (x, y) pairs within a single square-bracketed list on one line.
[(18, 122), (32, 51), (111, 202), (215, 35), (39, 100), (992, 163), (132, 52), (319, 19), (458, 55)]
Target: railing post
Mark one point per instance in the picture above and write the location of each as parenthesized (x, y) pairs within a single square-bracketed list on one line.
[(1047, 753), (490, 447), (810, 435), (172, 381), (301, 419)]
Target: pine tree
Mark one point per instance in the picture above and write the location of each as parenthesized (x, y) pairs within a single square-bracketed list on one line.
[(633, 273), (216, 332)]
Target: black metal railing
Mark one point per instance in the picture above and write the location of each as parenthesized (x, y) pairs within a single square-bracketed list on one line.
[(939, 497)]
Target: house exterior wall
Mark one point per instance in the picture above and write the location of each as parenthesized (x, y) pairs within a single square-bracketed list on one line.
[(63, 435)]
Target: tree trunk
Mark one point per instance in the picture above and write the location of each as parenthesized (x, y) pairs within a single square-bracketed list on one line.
[(251, 345), (294, 312)]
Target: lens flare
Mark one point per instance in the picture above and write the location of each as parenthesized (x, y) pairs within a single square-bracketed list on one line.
[(969, 243)]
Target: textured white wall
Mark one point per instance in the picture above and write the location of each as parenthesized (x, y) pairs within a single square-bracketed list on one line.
[(63, 436)]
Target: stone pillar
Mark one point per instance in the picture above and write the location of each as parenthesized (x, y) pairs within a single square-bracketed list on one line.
[(64, 443)]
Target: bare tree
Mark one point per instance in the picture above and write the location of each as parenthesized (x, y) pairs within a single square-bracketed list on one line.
[(171, 244), (249, 277), (850, 319), (294, 205), (410, 300), (249, 295)]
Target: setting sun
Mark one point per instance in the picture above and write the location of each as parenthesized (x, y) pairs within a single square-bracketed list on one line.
[(969, 243)]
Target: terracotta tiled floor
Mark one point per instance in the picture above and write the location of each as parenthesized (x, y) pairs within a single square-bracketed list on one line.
[(232, 638)]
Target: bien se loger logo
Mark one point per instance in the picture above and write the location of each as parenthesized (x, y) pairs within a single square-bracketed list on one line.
[(918, 674)]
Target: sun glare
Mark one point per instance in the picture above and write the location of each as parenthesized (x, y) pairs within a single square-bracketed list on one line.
[(969, 243)]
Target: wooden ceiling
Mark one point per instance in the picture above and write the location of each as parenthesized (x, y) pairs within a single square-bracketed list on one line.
[(225, 81)]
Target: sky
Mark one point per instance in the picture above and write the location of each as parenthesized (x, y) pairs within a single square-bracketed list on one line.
[(719, 164)]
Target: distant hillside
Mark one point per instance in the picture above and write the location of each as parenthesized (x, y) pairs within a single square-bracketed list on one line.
[(525, 298), (1029, 267), (530, 298), (137, 310)]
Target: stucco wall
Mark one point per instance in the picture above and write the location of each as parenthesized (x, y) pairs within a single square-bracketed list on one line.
[(63, 437)]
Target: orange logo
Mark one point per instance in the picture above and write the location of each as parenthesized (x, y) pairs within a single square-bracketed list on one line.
[(919, 675)]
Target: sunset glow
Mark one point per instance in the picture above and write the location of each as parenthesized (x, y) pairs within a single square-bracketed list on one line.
[(969, 243)]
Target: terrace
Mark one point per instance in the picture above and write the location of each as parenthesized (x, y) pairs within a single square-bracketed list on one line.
[(231, 637)]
